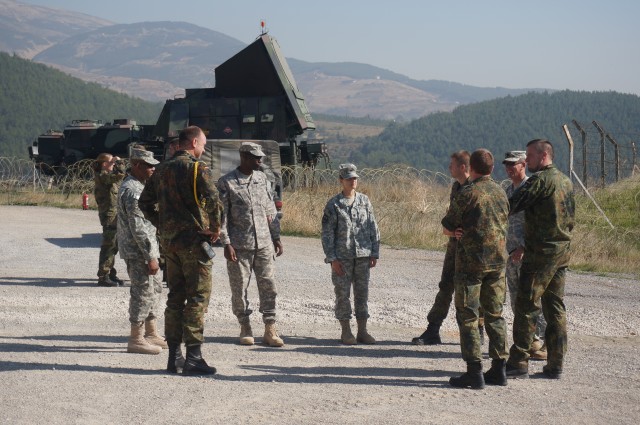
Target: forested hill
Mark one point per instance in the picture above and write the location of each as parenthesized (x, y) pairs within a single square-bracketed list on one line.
[(501, 125), (35, 98)]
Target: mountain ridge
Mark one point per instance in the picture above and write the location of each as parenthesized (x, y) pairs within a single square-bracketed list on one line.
[(154, 70)]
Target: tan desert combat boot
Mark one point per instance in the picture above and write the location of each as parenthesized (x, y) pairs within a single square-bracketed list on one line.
[(271, 337), (137, 343), (151, 334), (246, 334), (363, 336), (347, 337)]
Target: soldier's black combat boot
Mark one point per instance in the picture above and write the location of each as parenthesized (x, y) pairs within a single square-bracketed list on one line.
[(497, 375), (194, 364), (175, 364), (115, 278), (551, 372), (472, 379), (429, 337)]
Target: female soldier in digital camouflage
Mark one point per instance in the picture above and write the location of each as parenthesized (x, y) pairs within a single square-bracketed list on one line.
[(351, 243)]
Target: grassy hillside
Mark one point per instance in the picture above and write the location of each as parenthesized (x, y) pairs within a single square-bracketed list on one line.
[(35, 98), (447, 91), (505, 124)]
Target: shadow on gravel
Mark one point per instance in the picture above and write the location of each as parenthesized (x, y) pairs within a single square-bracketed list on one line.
[(371, 352), (111, 339), (87, 240), (331, 347), (50, 283), (344, 375), (13, 366), (8, 346)]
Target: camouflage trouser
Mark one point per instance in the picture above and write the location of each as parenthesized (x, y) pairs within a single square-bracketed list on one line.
[(261, 262), (473, 290), (108, 251), (189, 282), (357, 273), (513, 277), (441, 305), (541, 286), (146, 291)]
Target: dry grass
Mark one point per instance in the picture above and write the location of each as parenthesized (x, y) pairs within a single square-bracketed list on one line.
[(408, 204)]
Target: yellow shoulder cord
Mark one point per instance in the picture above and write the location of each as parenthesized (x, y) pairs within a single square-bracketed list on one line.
[(195, 176)]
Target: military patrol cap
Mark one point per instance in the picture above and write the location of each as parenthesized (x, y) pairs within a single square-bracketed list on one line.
[(251, 148), (348, 171), (141, 155), (514, 157)]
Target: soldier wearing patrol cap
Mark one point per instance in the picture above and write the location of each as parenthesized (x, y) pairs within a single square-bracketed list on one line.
[(351, 244), (515, 167), (138, 247), (250, 233)]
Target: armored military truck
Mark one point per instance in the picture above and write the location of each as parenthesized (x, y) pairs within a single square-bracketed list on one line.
[(47, 151), (86, 139)]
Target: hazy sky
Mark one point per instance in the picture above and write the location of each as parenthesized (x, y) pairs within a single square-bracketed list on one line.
[(562, 44)]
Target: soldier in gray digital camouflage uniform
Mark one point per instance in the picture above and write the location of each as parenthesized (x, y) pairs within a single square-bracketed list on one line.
[(351, 244), (549, 209), (250, 233), (138, 247), (478, 217), (514, 163)]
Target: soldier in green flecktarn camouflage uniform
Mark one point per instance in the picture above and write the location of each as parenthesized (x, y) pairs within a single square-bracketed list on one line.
[(477, 217), (181, 200), (548, 203), (109, 172), (459, 170)]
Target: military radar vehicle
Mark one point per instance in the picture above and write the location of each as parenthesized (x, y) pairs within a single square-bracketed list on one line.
[(255, 98)]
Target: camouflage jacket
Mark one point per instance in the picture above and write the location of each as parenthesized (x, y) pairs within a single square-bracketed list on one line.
[(481, 209), (349, 231), (136, 235), (179, 210), (455, 188), (515, 231), (250, 218), (106, 193), (549, 210)]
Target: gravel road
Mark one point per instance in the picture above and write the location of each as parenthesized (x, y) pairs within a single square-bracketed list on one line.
[(63, 346)]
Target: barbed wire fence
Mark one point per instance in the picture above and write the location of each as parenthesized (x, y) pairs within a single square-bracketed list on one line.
[(600, 157), (24, 175), (398, 191)]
